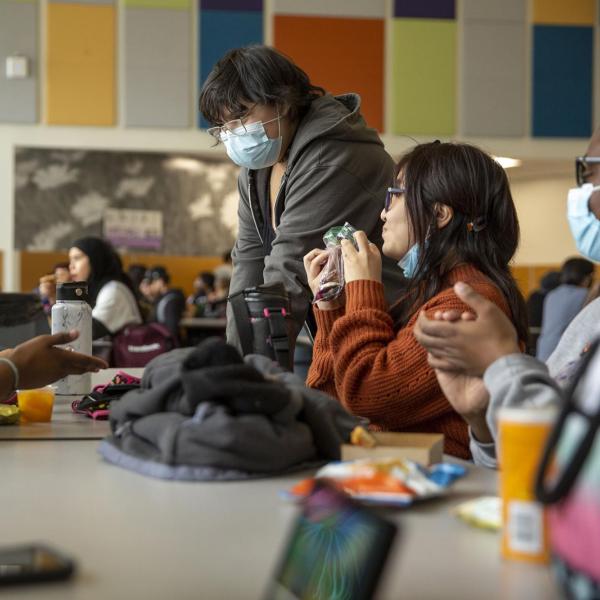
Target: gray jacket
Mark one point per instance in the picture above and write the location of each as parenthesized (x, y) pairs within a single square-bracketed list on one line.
[(337, 171), (521, 380), (514, 380)]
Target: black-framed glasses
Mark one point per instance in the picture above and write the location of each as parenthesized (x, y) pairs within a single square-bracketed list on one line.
[(389, 195), (581, 167)]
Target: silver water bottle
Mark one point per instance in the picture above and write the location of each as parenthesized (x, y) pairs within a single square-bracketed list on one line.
[(72, 311)]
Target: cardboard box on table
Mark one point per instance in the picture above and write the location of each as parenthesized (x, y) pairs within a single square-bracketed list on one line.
[(424, 448)]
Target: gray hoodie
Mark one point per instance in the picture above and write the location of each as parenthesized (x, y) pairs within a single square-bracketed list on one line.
[(337, 171), (521, 380)]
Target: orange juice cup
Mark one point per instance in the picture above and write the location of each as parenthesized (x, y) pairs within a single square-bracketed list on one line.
[(523, 434), (35, 405)]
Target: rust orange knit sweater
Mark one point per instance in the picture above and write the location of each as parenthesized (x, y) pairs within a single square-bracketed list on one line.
[(383, 375)]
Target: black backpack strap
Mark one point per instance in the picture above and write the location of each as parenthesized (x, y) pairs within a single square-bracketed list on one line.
[(279, 335), (241, 317)]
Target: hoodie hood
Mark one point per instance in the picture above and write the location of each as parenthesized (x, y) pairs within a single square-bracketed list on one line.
[(333, 117)]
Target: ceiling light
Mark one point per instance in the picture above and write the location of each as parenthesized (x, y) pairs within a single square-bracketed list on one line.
[(508, 163)]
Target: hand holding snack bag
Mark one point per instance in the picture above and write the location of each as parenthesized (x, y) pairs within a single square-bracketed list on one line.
[(331, 281)]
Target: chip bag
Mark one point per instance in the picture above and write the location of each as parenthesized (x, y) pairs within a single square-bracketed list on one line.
[(331, 282)]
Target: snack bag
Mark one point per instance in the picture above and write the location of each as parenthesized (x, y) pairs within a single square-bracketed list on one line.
[(331, 282)]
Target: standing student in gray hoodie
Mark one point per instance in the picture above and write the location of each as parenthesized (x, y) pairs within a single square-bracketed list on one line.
[(309, 162)]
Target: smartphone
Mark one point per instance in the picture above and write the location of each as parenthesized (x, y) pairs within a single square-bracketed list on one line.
[(337, 549), (33, 563)]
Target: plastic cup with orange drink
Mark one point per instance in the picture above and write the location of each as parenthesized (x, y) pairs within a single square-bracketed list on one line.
[(35, 405), (523, 433)]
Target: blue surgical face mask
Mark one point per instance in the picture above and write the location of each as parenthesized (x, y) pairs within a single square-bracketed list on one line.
[(585, 227), (250, 147), (409, 262)]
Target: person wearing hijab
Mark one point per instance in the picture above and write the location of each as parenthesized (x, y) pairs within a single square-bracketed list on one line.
[(110, 292)]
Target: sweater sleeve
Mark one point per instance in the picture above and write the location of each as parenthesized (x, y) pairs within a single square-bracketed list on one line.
[(381, 374), (320, 373)]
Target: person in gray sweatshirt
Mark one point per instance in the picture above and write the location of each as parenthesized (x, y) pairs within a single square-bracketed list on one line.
[(309, 162), (476, 356)]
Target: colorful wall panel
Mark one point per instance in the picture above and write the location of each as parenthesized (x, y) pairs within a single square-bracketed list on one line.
[(562, 81), (493, 77), (559, 12), (341, 45), (80, 63), (157, 63), (423, 68), (19, 34), (563, 68), (224, 25)]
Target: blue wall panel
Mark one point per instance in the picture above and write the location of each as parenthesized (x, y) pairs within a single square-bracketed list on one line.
[(221, 31), (562, 81)]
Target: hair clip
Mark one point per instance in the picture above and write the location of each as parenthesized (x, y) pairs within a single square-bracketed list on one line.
[(476, 225)]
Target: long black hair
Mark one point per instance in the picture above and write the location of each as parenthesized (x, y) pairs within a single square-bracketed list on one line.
[(255, 75), (105, 265), (483, 232)]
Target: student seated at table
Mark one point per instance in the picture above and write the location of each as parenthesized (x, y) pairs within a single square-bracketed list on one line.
[(47, 288), (217, 300), (168, 303), (475, 353), (37, 362), (204, 286), (110, 292), (448, 217)]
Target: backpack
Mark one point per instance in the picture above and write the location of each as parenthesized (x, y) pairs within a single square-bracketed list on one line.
[(263, 319), (137, 345)]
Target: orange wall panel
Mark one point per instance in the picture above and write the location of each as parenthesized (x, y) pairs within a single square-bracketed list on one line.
[(341, 55), (80, 68)]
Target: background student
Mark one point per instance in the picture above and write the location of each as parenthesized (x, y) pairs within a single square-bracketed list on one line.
[(110, 292)]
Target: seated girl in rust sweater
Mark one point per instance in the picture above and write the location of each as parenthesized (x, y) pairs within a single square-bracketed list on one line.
[(449, 217)]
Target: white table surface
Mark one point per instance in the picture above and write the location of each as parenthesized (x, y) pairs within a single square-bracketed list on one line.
[(140, 538), (65, 424)]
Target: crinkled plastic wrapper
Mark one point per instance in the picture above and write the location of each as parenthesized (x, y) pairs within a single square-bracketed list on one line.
[(331, 282), (9, 414)]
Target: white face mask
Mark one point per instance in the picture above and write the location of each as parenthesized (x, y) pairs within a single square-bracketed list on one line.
[(250, 147), (585, 227)]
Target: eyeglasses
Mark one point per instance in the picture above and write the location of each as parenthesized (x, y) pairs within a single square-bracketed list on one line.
[(581, 167), (235, 127), (391, 192)]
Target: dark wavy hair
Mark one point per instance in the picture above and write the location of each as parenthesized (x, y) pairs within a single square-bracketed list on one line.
[(255, 75), (483, 232)]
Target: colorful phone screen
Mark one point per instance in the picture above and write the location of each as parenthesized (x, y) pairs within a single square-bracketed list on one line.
[(336, 551)]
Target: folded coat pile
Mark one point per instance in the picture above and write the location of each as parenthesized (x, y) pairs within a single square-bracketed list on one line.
[(207, 414)]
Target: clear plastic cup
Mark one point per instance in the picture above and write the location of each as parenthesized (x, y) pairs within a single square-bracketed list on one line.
[(35, 405)]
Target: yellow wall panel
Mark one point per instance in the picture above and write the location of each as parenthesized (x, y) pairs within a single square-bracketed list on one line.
[(80, 69), (559, 12)]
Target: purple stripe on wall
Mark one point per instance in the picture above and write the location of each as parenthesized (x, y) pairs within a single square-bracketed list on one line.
[(231, 5), (430, 9)]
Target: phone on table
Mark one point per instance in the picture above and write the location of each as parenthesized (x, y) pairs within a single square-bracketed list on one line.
[(337, 549), (33, 563)]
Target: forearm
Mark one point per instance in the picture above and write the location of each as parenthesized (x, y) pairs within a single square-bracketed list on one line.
[(379, 373), (320, 373), (7, 381)]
